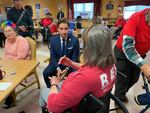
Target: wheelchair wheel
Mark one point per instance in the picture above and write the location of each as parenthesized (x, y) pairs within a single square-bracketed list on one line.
[(120, 107)]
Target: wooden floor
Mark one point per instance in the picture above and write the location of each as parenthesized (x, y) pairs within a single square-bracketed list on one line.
[(28, 100)]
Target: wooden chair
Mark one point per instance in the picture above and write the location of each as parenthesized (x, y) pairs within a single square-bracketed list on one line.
[(32, 45)]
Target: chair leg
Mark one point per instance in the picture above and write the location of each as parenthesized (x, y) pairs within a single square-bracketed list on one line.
[(25, 80), (14, 98), (37, 79)]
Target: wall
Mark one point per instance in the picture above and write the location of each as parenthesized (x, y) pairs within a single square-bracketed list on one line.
[(51, 4), (5, 3), (112, 13)]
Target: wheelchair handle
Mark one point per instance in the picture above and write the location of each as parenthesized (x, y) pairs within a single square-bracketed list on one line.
[(143, 76), (123, 75), (145, 83)]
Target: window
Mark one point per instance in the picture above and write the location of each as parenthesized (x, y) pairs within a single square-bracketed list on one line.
[(128, 11), (85, 10)]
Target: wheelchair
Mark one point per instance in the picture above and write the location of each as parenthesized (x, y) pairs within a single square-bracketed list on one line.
[(92, 104), (147, 94)]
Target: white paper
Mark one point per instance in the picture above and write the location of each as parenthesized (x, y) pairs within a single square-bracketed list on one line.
[(4, 85)]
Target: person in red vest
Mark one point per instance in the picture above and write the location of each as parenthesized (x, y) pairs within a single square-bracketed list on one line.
[(119, 24), (130, 51), (45, 23), (47, 20), (53, 27)]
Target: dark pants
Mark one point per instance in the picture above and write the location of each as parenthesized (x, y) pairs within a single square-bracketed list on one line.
[(26, 34), (49, 71), (46, 34), (129, 69), (117, 33)]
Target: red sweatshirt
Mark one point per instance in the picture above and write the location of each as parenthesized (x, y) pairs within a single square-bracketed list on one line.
[(120, 22), (87, 79), (137, 28), (46, 22)]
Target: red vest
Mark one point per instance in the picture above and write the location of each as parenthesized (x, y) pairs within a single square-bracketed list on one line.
[(46, 22)]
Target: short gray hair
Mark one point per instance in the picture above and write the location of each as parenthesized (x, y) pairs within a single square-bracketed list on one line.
[(98, 47)]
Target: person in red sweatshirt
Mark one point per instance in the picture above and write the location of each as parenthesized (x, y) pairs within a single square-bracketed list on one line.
[(47, 20), (120, 23), (45, 23), (96, 76), (130, 51)]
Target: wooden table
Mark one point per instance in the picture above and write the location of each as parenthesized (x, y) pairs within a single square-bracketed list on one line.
[(22, 68)]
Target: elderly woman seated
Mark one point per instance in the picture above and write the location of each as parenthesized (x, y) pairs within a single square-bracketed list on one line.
[(96, 76), (16, 47)]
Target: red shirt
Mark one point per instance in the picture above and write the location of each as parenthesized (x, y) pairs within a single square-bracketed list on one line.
[(53, 28), (120, 22), (46, 22), (87, 79), (137, 28)]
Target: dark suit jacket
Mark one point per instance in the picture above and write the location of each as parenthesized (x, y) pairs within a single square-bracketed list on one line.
[(60, 13), (72, 49), (14, 14)]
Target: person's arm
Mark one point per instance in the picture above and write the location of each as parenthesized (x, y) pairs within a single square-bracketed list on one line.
[(75, 65), (133, 56), (67, 62), (128, 45), (68, 95), (23, 49), (54, 84), (130, 51), (30, 22)]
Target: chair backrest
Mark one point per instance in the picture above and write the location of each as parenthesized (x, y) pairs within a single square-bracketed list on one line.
[(32, 45), (92, 104)]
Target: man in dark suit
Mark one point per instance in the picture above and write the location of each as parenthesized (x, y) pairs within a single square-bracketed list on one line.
[(60, 14), (63, 44)]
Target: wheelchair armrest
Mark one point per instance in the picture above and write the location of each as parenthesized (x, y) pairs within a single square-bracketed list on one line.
[(121, 74), (95, 99), (119, 103)]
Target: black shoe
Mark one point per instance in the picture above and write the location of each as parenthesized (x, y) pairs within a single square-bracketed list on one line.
[(8, 102), (44, 110)]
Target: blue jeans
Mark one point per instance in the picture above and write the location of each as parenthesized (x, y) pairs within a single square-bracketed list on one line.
[(44, 93)]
